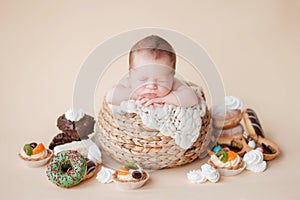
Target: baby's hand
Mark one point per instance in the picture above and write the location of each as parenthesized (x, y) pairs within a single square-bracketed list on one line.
[(152, 102)]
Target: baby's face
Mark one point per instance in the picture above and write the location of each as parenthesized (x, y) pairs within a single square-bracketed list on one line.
[(151, 78)]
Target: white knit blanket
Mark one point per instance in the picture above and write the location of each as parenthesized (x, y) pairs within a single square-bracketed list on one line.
[(183, 124)]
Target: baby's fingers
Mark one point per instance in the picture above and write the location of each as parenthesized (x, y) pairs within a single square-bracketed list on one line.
[(150, 102), (159, 104), (143, 101)]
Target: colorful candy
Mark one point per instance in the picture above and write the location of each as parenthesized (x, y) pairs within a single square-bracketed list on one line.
[(217, 148), (222, 155), (38, 149), (231, 155)]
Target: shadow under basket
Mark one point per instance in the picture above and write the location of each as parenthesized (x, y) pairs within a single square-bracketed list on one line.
[(126, 139)]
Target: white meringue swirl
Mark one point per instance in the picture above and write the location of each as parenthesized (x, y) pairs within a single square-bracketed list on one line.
[(105, 175), (74, 115), (255, 162), (94, 154), (233, 103), (210, 173), (196, 176)]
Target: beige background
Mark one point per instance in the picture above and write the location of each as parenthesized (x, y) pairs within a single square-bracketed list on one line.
[(255, 45)]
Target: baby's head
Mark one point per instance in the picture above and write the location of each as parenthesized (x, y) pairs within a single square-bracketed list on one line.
[(152, 63), (152, 49)]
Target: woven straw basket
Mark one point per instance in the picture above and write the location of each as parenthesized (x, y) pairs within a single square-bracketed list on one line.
[(125, 138)]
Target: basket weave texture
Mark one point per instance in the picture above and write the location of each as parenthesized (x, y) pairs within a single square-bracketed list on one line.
[(126, 139)]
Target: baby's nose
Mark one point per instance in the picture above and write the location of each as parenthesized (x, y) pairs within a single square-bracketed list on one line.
[(151, 85)]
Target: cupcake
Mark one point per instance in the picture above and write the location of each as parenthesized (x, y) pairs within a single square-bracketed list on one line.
[(131, 176), (227, 162), (75, 126), (35, 155)]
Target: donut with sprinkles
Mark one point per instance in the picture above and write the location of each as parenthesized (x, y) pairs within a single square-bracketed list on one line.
[(67, 168)]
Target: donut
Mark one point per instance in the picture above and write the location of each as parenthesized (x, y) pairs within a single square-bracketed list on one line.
[(231, 119), (227, 135), (67, 168)]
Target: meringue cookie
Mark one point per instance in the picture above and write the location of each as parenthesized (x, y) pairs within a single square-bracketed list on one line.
[(233, 103), (210, 173), (94, 154), (74, 115), (196, 176), (105, 175), (254, 160)]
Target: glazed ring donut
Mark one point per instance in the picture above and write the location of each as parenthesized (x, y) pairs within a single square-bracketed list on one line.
[(66, 169), (227, 135), (231, 119)]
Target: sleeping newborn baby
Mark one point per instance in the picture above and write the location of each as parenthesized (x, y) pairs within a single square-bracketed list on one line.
[(150, 90), (151, 77)]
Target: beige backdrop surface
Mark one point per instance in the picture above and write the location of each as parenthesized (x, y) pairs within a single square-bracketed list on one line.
[(255, 44)]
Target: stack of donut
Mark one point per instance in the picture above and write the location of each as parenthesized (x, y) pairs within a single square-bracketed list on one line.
[(227, 121), (238, 136)]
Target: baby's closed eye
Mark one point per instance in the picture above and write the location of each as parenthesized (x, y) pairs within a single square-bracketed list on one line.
[(162, 81), (142, 79)]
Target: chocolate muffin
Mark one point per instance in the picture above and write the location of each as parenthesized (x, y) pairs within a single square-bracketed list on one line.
[(63, 138), (83, 127), (75, 125)]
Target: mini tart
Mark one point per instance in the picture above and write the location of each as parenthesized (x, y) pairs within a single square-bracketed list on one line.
[(49, 154), (130, 184), (228, 170), (231, 172), (130, 176), (144, 177), (37, 162), (240, 165)]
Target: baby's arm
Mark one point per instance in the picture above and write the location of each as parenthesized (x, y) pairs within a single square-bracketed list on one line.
[(182, 95), (117, 94)]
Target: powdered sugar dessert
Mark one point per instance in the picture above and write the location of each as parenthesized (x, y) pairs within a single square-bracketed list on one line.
[(131, 176)]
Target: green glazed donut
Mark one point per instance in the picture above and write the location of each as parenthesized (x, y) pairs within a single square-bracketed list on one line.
[(66, 169)]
